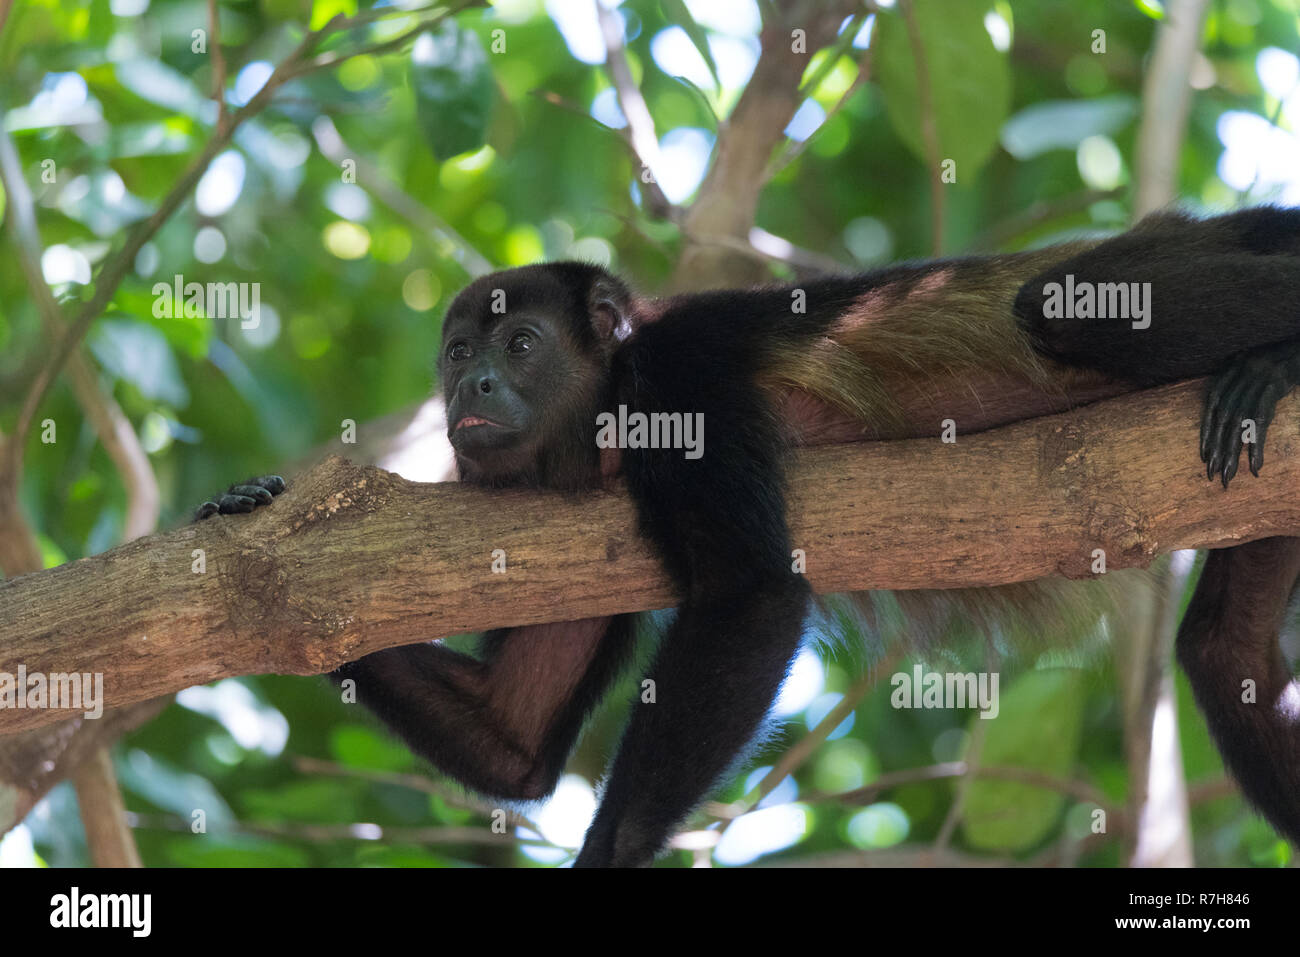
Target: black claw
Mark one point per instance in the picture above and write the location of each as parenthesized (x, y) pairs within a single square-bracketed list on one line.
[(1255, 461), (1263, 419)]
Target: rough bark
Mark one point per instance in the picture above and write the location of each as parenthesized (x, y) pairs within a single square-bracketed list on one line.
[(353, 559)]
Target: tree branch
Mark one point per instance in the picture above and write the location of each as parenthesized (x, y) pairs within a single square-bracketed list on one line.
[(727, 201), (351, 560), (929, 127)]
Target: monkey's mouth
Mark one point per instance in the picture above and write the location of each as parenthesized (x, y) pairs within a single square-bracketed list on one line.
[(475, 421), (475, 435)]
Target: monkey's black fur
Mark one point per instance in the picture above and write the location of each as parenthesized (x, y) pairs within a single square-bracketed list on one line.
[(532, 355)]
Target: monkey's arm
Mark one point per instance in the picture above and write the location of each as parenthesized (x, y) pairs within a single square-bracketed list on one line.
[(504, 723), (718, 522)]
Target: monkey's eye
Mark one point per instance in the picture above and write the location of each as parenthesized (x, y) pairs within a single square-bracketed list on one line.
[(458, 351), (520, 342)]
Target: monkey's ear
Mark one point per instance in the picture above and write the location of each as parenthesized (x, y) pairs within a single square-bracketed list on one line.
[(609, 304)]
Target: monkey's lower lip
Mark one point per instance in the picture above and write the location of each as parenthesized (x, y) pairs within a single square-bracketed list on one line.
[(470, 421)]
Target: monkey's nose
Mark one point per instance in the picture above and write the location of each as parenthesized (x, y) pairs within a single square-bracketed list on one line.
[(485, 386)]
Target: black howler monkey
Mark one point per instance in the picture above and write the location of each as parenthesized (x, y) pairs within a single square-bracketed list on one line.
[(532, 356)]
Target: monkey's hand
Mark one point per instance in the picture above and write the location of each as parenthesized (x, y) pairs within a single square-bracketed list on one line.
[(243, 497), (1240, 404)]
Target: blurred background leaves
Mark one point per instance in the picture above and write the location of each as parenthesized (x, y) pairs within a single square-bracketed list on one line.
[(503, 132)]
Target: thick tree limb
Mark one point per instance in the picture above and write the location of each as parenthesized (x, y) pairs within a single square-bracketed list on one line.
[(351, 560)]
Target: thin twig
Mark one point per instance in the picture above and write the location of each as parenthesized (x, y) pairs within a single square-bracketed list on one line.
[(327, 61), (218, 63), (657, 204), (1079, 790), (974, 748), (790, 254), (793, 150), (801, 750), (631, 223), (1037, 213), (929, 128), (641, 125), (718, 121), (360, 831), (413, 782)]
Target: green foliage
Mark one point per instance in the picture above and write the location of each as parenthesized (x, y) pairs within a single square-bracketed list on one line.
[(352, 291), (1037, 730), (453, 90), (967, 80)]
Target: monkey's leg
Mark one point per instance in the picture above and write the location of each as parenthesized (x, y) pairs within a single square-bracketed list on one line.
[(503, 724), (717, 672), (1169, 314), (1228, 645)]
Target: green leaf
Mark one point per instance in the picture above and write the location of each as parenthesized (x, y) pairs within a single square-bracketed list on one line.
[(969, 81), (1154, 9), (312, 799), (362, 747), (454, 90), (1037, 728), (675, 12), (222, 850), (1064, 124), (323, 11), (141, 355)]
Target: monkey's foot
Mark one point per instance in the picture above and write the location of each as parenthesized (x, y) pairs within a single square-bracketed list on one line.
[(243, 497), (1240, 404)]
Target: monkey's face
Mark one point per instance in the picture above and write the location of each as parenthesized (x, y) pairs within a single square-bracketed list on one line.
[(518, 375)]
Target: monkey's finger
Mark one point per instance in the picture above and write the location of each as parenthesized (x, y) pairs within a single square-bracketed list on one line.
[(1227, 444), (1267, 408), (256, 492), (232, 504), (272, 483), (1210, 412), (1254, 404), (1217, 409), (205, 510), (1231, 449), (1230, 466)]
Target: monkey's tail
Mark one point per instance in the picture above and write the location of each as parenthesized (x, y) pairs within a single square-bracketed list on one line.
[(1228, 645)]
